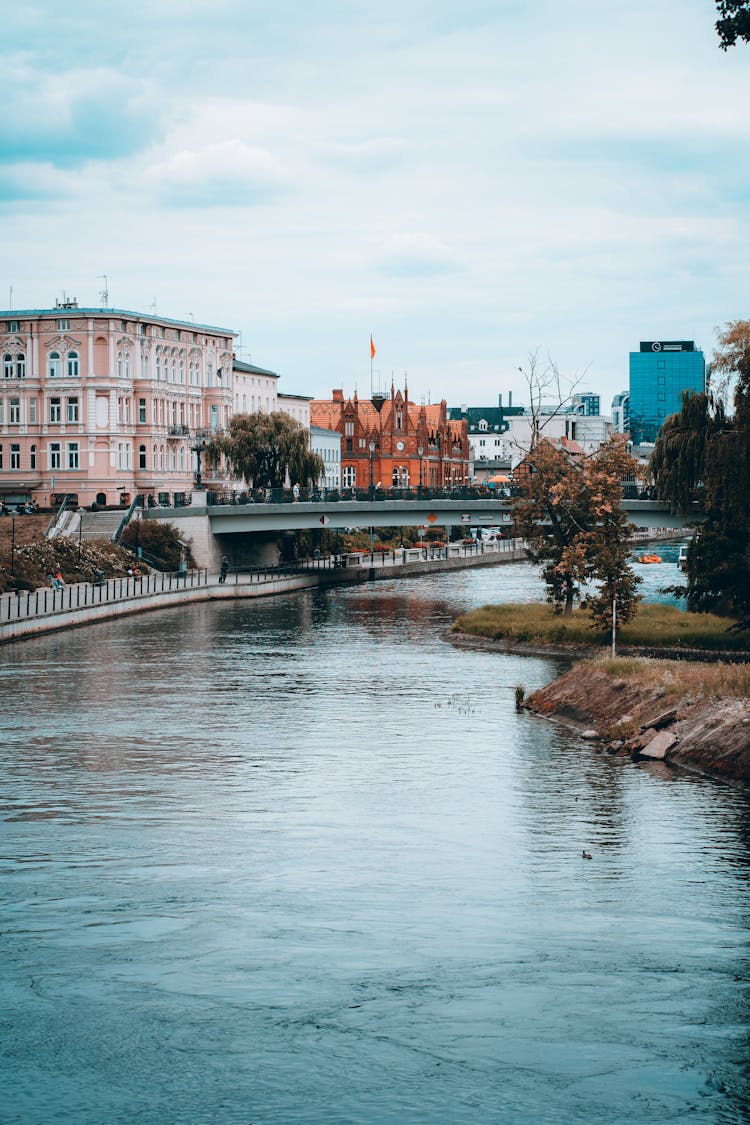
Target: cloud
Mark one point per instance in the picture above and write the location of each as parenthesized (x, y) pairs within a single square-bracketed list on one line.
[(71, 117), (230, 173), (416, 255), (375, 155)]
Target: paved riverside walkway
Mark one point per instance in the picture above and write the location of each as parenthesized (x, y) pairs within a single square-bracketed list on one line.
[(31, 612)]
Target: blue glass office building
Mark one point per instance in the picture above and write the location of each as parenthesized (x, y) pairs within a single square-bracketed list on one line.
[(659, 375)]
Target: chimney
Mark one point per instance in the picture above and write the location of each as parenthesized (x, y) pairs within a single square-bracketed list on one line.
[(500, 401), (338, 395), (510, 398)]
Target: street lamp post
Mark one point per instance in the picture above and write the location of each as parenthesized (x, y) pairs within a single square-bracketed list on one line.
[(420, 453), (371, 448), (12, 544), (198, 450)]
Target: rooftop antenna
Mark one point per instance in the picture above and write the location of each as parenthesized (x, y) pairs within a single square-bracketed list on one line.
[(10, 298), (153, 306), (104, 294)]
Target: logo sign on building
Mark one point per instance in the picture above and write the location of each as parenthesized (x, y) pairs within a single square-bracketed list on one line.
[(667, 346), (324, 520)]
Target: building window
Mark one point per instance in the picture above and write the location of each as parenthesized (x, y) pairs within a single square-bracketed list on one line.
[(348, 429), (62, 325), (141, 410), (54, 455), (13, 326), (54, 410), (21, 366), (72, 409), (8, 366), (15, 456), (350, 476), (1, 456), (141, 456), (14, 411), (32, 457), (120, 455), (72, 365), (349, 444), (55, 365), (72, 454)]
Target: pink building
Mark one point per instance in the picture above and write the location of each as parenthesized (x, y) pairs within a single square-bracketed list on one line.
[(101, 404)]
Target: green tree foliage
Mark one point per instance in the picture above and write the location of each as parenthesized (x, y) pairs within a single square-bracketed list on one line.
[(267, 451), (570, 513), (160, 542), (734, 22), (704, 454)]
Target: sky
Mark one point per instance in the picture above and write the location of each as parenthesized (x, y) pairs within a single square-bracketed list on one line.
[(473, 183)]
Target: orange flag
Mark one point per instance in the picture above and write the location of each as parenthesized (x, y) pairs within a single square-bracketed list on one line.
[(372, 349)]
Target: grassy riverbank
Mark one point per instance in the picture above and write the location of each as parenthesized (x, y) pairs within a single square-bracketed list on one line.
[(679, 679), (655, 626)]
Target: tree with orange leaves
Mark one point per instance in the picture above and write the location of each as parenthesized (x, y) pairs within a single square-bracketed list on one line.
[(570, 514)]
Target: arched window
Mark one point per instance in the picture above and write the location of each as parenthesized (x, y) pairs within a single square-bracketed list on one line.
[(174, 370), (127, 365), (141, 456), (8, 366), (182, 456), (119, 365), (21, 365), (158, 367), (404, 477), (156, 457), (32, 457), (55, 365), (482, 425), (72, 365)]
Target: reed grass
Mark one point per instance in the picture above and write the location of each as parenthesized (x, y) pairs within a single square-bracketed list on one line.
[(681, 679)]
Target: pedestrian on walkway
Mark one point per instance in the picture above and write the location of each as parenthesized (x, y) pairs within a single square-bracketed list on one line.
[(224, 570)]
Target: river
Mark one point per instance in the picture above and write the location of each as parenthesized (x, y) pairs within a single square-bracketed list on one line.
[(300, 860)]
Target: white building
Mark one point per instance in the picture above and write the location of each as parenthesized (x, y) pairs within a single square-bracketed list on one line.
[(254, 390), (296, 406), (327, 444)]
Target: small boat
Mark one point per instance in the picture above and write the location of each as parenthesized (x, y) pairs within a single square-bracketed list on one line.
[(648, 559)]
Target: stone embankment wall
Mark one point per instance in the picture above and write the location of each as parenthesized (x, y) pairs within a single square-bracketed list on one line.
[(708, 735)]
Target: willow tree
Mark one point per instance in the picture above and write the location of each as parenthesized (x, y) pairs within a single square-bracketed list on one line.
[(570, 514), (734, 22), (267, 451), (703, 453)]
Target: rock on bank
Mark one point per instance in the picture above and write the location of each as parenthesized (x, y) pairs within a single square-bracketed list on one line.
[(708, 735)]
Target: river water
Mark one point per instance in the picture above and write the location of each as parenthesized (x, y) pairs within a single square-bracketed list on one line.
[(300, 860)]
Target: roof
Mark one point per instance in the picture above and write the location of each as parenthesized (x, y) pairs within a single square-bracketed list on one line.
[(299, 398), (71, 312), (251, 369), (322, 431)]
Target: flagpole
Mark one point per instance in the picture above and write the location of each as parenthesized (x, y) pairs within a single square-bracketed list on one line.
[(371, 350)]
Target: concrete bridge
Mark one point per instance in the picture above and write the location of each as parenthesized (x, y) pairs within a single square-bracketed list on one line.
[(207, 525)]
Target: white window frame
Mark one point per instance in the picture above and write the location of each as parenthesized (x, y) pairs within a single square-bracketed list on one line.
[(73, 455), (54, 453)]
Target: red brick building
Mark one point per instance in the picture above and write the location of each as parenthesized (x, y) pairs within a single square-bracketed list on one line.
[(395, 443)]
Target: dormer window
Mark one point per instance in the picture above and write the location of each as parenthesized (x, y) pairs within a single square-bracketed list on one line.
[(482, 425)]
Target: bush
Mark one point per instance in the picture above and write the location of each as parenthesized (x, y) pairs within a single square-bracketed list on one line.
[(159, 540)]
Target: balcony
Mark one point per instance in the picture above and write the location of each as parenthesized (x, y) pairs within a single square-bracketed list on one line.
[(178, 431)]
